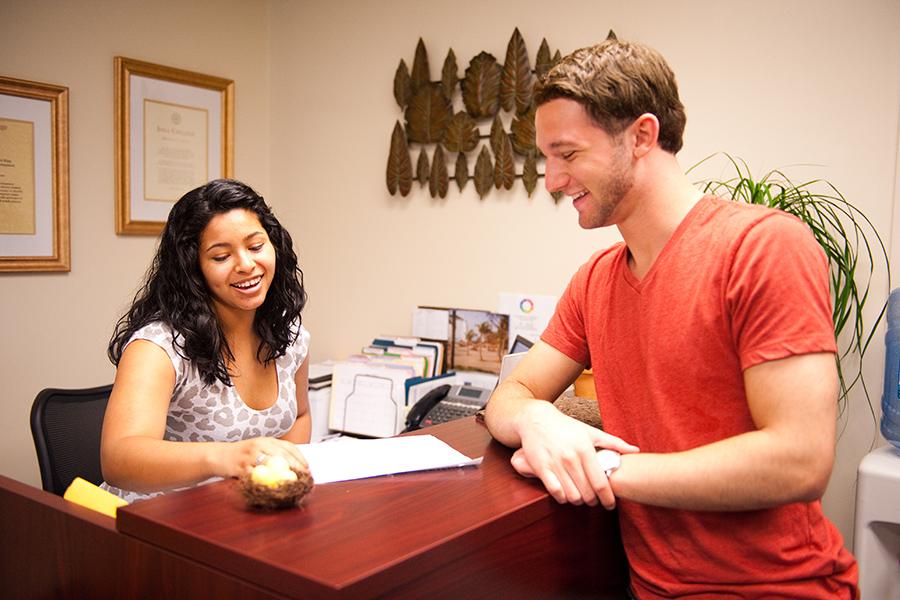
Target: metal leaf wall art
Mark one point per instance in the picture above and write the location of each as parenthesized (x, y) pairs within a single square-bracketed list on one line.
[(399, 167), (504, 165), (516, 81), (421, 72), (438, 181), (522, 129), (427, 114), (449, 76), (402, 84), (461, 173), (457, 115), (497, 134), (542, 62), (461, 134), (422, 168), (484, 172)]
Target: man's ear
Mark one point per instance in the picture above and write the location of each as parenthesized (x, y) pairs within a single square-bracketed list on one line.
[(646, 134)]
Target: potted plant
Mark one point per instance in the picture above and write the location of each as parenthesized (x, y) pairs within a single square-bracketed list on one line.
[(853, 246)]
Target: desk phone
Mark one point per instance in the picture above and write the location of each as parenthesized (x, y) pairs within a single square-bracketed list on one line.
[(447, 403)]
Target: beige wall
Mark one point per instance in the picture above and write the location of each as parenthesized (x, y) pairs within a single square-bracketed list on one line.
[(55, 327), (776, 83)]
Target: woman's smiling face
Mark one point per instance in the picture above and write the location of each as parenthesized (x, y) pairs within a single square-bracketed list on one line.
[(237, 260)]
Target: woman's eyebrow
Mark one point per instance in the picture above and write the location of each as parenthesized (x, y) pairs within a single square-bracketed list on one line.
[(227, 245)]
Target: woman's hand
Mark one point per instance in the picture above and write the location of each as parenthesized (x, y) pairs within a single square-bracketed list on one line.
[(234, 459)]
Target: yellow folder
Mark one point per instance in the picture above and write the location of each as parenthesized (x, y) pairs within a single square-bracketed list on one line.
[(90, 496)]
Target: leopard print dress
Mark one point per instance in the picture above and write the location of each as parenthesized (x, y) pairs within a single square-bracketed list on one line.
[(215, 413)]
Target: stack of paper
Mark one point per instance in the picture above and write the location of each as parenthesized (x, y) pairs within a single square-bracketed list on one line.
[(372, 392), (357, 459)]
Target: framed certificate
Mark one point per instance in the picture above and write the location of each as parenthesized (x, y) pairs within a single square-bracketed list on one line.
[(174, 132), (34, 176)]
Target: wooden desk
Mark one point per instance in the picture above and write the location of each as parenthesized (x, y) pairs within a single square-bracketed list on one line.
[(463, 533), (51, 548)]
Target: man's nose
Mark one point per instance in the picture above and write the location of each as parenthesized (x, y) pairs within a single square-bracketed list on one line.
[(554, 177)]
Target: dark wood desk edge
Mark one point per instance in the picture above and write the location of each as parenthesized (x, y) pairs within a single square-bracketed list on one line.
[(53, 548), (56, 503), (211, 554), (274, 577), (270, 575), (398, 572)]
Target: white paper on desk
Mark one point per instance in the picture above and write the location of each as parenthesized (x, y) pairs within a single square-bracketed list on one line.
[(357, 459)]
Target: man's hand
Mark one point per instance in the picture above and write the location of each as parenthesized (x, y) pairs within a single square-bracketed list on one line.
[(562, 452), (558, 449)]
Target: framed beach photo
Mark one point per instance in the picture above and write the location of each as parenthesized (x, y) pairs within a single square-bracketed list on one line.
[(174, 132), (34, 176)]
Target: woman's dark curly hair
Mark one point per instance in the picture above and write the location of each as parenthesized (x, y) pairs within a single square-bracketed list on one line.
[(174, 291)]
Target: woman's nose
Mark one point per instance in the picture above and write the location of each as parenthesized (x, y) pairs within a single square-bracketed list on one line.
[(245, 261)]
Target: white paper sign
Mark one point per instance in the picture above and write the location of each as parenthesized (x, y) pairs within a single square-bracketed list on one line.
[(529, 314)]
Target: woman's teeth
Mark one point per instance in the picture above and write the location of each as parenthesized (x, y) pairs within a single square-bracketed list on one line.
[(247, 284)]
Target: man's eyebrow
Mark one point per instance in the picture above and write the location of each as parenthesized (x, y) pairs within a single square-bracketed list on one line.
[(555, 144), (559, 147)]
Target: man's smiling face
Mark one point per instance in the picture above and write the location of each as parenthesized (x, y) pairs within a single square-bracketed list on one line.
[(583, 161)]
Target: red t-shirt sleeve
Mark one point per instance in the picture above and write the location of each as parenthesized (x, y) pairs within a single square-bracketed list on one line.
[(777, 293), (566, 331)]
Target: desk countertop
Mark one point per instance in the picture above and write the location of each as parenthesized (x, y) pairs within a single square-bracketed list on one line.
[(373, 536)]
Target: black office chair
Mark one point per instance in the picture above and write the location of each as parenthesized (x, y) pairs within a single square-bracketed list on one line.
[(66, 428)]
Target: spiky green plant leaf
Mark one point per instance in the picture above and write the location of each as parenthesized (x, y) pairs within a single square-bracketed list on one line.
[(850, 241)]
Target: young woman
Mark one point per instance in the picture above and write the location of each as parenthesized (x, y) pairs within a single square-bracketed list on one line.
[(211, 357)]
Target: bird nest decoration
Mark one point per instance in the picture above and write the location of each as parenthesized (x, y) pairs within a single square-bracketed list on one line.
[(274, 494), (583, 409)]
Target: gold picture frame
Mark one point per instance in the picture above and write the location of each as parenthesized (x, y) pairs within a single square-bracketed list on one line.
[(174, 131), (34, 176)]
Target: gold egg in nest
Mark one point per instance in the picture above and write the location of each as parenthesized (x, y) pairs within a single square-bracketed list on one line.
[(285, 494)]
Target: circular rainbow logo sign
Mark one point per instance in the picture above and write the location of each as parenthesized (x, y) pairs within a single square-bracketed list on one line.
[(526, 305)]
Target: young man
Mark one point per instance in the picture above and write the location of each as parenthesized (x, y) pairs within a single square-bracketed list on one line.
[(709, 333)]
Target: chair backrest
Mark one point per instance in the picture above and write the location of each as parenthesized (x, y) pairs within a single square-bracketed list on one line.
[(65, 425)]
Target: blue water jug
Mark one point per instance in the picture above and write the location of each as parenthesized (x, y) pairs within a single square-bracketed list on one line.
[(890, 399)]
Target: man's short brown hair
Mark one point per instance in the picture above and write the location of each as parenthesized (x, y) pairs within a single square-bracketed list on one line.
[(617, 82)]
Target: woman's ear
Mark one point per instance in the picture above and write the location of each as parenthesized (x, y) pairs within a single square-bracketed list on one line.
[(646, 134)]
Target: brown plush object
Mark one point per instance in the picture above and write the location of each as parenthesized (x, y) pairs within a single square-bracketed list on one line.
[(583, 409), (286, 495)]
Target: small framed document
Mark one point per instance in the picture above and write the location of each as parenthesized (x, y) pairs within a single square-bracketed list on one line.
[(34, 176), (174, 132)]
